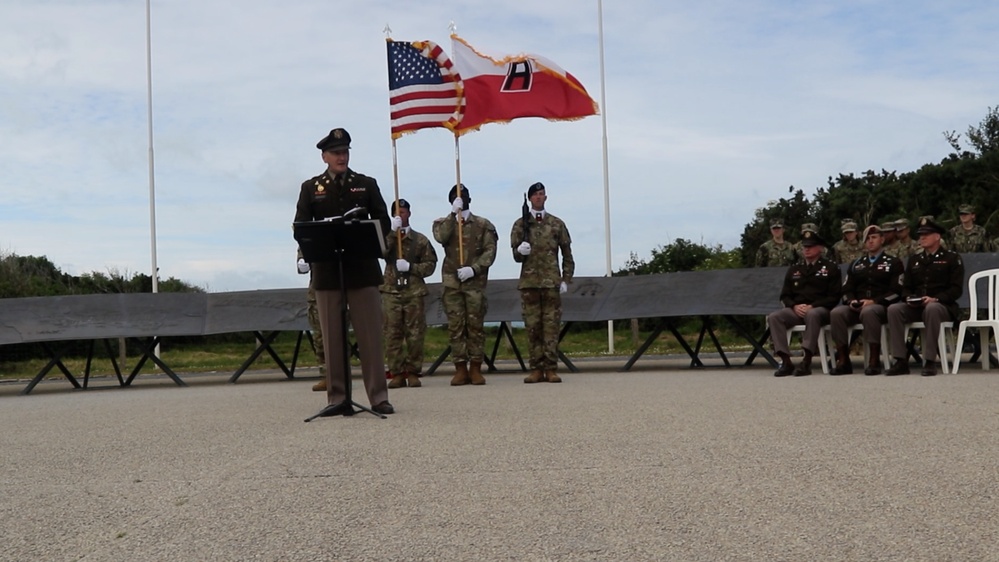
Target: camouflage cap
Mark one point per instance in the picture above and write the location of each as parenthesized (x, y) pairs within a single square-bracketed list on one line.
[(809, 227), (901, 224), (966, 209), (776, 223), (888, 227), (848, 225)]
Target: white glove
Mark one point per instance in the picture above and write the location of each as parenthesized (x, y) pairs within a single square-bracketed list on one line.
[(303, 266), (465, 273), (563, 288), (396, 223), (457, 206), (524, 249), (402, 265)]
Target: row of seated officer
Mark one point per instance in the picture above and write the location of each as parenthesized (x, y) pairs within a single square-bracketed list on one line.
[(875, 293)]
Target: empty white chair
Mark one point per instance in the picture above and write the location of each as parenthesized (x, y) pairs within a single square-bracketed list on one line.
[(989, 321)]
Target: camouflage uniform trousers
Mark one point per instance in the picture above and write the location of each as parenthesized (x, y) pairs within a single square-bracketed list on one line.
[(317, 332), (542, 311), (466, 311), (405, 323)]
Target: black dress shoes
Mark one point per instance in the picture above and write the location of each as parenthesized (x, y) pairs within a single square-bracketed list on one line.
[(785, 369), (900, 367), (383, 408), (930, 369)]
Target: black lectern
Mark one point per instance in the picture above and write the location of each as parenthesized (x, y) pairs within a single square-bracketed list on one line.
[(333, 241)]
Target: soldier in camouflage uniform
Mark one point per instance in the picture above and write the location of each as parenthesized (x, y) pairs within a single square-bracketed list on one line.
[(968, 237), (906, 245), (317, 331), (850, 247), (403, 294), (891, 244), (464, 273), (775, 252), (536, 239)]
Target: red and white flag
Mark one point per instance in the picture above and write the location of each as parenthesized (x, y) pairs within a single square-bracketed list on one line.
[(424, 89), (498, 91)]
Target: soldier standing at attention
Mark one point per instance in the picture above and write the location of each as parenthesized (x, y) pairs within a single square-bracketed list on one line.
[(775, 252), (906, 245), (811, 288), (331, 194), (968, 237), (403, 295), (465, 271), (934, 280), (317, 330), (850, 247), (537, 238)]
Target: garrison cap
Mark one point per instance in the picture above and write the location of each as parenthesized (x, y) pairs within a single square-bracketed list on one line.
[(402, 204), (338, 138), (536, 187), (966, 209), (848, 225), (810, 238), (871, 229), (776, 223), (928, 226)]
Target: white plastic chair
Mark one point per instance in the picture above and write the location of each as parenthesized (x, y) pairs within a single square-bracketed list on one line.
[(823, 351), (885, 355), (946, 334), (989, 322)]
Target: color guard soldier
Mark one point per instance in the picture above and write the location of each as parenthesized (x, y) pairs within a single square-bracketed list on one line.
[(934, 280), (317, 330), (811, 289), (537, 238), (403, 294), (464, 273), (873, 282)]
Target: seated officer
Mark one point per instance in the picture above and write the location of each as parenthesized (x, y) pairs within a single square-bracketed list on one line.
[(873, 282), (811, 288), (934, 280)]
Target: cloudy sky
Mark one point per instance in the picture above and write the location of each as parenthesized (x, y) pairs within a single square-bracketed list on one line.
[(712, 109)]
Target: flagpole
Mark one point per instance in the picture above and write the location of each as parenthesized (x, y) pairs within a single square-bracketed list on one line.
[(603, 121), (152, 181), (458, 218), (395, 178)]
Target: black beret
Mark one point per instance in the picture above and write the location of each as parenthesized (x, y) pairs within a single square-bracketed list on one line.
[(402, 203), (338, 138), (453, 194), (535, 188)]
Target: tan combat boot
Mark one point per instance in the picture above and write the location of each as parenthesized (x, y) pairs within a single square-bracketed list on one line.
[(320, 386), (398, 381), (460, 374), (535, 376), (551, 376), (414, 380), (475, 373)]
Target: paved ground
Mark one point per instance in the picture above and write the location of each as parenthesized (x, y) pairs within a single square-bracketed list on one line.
[(662, 463)]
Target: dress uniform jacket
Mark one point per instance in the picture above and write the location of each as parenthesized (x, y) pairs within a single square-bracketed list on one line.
[(324, 196), (939, 275), (880, 281), (818, 284)]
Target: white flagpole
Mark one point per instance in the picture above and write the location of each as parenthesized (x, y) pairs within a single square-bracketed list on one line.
[(152, 181), (603, 120)]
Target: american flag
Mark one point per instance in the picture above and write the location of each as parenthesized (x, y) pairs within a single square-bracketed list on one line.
[(424, 89)]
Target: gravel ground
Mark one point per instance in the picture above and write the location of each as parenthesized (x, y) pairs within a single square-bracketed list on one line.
[(660, 463)]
